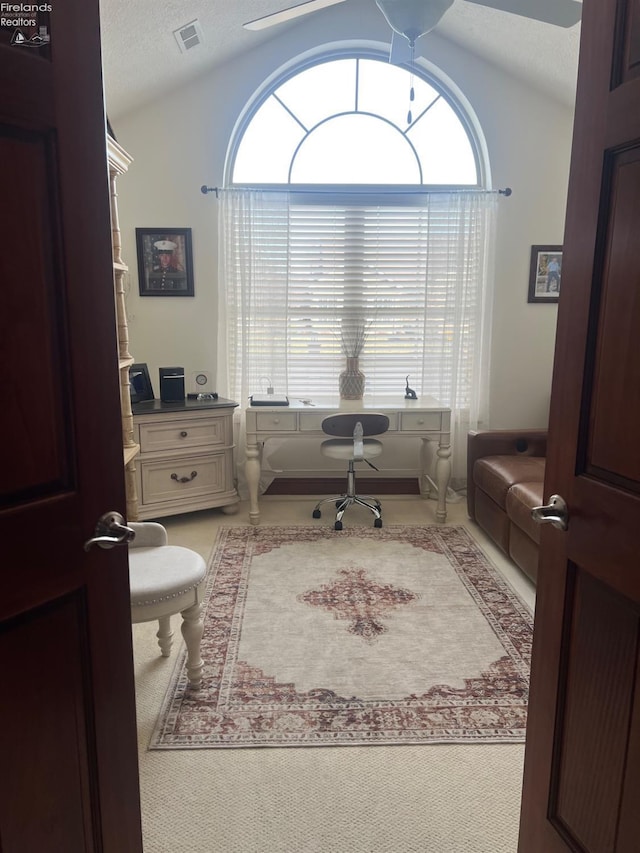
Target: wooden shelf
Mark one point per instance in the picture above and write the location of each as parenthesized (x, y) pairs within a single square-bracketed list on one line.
[(130, 453), (118, 162)]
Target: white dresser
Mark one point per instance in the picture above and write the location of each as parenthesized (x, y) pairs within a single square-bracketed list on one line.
[(186, 456)]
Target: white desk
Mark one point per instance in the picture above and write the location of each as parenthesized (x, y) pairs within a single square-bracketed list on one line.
[(426, 419)]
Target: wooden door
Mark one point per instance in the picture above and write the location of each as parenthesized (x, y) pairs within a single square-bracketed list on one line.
[(68, 756), (582, 764)]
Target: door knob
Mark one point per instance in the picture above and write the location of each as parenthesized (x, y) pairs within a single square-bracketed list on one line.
[(555, 512), (110, 531)]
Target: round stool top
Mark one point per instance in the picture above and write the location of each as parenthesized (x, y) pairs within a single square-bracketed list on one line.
[(160, 573)]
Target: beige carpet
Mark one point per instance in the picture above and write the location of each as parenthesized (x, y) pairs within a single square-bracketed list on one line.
[(382, 799), (367, 636)]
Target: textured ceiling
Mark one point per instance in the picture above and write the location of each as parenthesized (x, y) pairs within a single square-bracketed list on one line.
[(142, 60)]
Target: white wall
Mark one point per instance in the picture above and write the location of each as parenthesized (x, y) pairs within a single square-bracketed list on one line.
[(180, 143)]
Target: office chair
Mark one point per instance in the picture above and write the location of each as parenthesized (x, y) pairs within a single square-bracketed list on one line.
[(354, 448)]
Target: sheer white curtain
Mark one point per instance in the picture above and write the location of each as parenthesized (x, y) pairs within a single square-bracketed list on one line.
[(252, 302), (419, 272)]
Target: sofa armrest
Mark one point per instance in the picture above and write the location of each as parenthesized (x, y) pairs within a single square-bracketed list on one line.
[(500, 442), (149, 534)]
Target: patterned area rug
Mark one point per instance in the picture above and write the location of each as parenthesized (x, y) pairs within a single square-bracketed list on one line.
[(367, 636)]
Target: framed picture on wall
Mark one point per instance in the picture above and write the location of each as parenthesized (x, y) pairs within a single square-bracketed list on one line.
[(165, 261), (545, 273)]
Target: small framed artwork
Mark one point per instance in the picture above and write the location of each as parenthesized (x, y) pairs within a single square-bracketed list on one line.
[(140, 383), (165, 261), (545, 273)]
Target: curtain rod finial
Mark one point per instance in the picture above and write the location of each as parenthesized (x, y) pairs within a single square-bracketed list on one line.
[(204, 189)]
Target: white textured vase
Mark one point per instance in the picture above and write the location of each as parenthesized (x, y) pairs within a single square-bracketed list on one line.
[(352, 381)]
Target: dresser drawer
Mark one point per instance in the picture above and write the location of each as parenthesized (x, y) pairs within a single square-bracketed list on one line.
[(272, 422), (186, 476), (420, 421), (178, 435)]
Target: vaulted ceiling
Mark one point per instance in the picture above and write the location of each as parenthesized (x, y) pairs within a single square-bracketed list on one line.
[(142, 59)]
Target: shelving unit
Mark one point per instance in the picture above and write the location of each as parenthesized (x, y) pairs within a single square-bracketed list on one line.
[(119, 162)]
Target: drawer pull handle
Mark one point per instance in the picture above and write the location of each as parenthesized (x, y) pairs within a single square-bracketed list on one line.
[(184, 433), (175, 477), (276, 420), (420, 421)]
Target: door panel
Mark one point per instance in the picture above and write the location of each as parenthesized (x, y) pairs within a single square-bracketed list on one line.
[(35, 450), (614, 452), (630, 52), (45, 752), (68, 779), (600, 667), (629, 832), (582, 758)]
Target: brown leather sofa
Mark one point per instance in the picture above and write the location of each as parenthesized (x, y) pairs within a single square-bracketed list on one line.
[(505, 479)]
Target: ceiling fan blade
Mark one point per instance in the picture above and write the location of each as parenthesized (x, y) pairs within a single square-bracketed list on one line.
[(562, 13), (289, 14)]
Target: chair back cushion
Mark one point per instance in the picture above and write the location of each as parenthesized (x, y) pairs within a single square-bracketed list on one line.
[(373, 423)]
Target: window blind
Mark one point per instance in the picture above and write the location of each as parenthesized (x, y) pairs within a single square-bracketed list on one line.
[(298, 274)]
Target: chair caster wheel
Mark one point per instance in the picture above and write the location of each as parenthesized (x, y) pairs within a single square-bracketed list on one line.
[(337, 525), (316, 514), (377, 522)]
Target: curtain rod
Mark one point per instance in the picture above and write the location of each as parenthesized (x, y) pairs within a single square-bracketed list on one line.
[(507, 191)]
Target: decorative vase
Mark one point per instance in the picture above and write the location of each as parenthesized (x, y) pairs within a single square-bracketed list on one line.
[(352, 381)]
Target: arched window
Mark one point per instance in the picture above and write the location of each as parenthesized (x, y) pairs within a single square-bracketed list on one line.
[(343, 212), (356, 120)]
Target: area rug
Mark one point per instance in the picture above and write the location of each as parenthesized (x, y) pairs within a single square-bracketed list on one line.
[(399, 635)]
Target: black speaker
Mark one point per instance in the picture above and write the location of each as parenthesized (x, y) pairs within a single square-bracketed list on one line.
[(172, 384)]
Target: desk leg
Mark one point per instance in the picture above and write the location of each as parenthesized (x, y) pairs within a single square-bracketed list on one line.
[(443, 475), (252, 473), (426, 457)]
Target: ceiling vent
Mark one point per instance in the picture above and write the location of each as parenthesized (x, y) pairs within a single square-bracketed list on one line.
[(189, 36)]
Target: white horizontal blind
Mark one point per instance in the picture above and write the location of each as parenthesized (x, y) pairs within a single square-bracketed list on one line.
[(296, 274)]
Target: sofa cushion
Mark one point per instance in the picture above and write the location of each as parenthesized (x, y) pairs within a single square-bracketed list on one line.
[(493, 520), (495, 475), (521, 498), (524, 552)]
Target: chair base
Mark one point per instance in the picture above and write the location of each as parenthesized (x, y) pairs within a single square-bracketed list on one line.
[(343, 502)]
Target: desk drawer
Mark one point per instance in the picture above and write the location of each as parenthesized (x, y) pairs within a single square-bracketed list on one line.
[(203, 475), (272, 422), (311, 421), (421, 421), (177, 435)]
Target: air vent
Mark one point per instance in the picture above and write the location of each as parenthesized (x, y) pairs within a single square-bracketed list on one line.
[(189, 36)]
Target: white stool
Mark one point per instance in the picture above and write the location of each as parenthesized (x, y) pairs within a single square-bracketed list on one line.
[(167, 579)]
